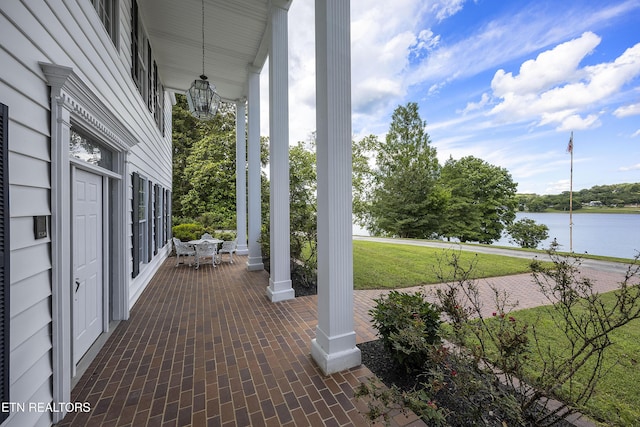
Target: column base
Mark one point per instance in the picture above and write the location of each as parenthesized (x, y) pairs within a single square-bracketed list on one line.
[(242, 250), (335, 362), (280, 291), (255, 264)]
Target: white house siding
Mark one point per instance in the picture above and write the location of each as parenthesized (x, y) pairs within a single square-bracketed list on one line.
[(66, 33)]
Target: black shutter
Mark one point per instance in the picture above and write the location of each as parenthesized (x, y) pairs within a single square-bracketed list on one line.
[(134, 41), (149, 212), (149, 79), (5, 283), (135, 224), (156, 219), (168, 220)]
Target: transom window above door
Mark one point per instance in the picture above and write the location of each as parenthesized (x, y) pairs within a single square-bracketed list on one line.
[(90, 151)]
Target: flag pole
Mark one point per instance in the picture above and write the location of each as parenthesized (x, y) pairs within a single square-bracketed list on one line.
[(570, 149)]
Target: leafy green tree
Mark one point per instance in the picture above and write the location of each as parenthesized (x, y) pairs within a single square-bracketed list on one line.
[(362, 179), (406, 200), (537, 204), (303, 216), (186, 131), (482, 200), (211, 168), (302, 195), (204, 164), (527, 233)]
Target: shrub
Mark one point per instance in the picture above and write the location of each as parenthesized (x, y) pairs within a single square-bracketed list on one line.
[(408, 325), (527, 233), (225, 234), (217, 220), (186, 232), (177, 220), (572, 366)]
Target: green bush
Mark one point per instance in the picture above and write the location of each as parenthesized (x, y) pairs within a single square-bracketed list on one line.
[(408, 325), (225, 234), (177, 220), (186, 232), (217, 220)]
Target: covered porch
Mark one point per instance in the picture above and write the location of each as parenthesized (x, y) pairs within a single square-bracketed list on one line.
[(208, 347)]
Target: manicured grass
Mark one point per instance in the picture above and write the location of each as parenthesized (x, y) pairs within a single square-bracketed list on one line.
[(392, 266), (615, 401)]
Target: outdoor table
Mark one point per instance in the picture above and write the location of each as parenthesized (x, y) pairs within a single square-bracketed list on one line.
[(214, 241), (198, 241)]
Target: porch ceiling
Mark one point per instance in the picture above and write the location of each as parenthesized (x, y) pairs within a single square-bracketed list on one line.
[(236, 38)]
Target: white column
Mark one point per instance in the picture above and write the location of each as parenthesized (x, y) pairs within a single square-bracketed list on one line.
[(254, 260), (241, 178), (334, 348), (280, 281)]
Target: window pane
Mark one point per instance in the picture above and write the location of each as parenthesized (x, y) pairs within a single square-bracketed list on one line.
[(81, 147)]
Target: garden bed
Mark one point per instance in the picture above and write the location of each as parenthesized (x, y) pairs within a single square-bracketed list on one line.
[(462, 410)]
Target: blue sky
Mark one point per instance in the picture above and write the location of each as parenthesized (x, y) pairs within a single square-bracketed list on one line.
[(506, 81)]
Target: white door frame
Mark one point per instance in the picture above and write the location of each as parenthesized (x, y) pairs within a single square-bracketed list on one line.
[(73, 102), (106, 215)]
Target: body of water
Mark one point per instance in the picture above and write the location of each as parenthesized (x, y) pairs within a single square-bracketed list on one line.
[(615, 235)]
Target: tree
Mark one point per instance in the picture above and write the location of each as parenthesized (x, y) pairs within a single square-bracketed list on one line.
[(406, 200), (527, 233), (303, 215), (362, 180), (204, 157), (482, 200)]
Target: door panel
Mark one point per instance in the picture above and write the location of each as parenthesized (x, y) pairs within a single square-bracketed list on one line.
[(87, 261)]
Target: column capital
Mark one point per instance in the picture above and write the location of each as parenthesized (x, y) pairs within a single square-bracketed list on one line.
[(281, 4)]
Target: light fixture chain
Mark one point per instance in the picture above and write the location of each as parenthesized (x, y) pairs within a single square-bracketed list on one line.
[(203, 37)]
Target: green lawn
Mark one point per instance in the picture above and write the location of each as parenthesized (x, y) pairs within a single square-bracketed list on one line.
[(617, 395), (392, 266)]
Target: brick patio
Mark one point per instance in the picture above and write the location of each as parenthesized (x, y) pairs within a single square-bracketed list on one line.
[(207, 348)]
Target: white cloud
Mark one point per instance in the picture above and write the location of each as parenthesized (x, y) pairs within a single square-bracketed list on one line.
[(472, 106), (636, 133), (553, 90), (557, 187), (630, 168), (627, 110), (395, 49), (550, 68), (446, 8)]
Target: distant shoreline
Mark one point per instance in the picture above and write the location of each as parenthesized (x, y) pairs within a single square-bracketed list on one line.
[(616, 211)]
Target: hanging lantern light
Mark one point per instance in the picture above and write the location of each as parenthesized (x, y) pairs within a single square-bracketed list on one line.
[(202, 97)]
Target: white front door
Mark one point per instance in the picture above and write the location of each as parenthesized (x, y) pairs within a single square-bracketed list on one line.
[(87, 261)]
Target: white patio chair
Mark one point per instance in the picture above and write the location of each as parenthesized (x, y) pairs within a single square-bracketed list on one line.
[(228, 247), (206, 236), (183, 249), (205, 250)]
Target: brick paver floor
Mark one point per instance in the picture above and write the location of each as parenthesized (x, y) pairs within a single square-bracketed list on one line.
[(207, 348)]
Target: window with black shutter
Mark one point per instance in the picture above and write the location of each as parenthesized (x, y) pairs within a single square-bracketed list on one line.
[(135, 224), (157, 236), (168, 216), (135, 65), (149, 236), (4, 258)]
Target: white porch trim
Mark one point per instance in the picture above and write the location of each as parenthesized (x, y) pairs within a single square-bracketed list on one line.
[(334, 348), (280, 288)]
